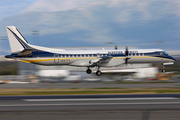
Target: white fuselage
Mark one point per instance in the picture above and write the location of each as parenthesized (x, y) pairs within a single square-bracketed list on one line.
[(83, 58)]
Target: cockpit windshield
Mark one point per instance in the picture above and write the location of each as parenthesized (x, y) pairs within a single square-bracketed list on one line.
[(163, 53)]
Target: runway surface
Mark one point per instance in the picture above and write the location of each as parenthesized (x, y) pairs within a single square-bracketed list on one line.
[(130, 107)]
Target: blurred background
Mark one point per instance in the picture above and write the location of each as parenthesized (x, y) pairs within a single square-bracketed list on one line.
[(87, 25), (79, 24)]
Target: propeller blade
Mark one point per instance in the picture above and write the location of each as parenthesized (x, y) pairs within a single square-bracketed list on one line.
[(127, 52), (127, 55)]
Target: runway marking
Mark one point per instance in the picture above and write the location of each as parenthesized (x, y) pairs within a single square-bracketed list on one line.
[(99, 99), (83, 104)]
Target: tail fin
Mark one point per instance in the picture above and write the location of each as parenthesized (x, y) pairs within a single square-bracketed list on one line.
[(16, 40)]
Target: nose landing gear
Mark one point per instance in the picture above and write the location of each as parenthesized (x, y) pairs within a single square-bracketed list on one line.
[(163, 68)]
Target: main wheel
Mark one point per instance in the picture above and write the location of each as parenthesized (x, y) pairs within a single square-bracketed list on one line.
[(98, 73), (88, 71), (163, 70)]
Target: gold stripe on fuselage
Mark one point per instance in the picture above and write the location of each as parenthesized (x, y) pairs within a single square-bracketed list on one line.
[(52, 59)]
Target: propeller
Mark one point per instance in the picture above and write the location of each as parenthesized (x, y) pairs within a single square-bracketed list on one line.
[(127, 55)]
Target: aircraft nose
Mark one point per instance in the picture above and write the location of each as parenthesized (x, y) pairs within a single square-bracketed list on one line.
[(172, 58)]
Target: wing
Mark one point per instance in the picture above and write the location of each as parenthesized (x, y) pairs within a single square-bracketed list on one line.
[(91, 63)]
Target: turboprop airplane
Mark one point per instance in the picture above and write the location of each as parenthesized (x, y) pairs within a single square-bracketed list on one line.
[(21, 50)]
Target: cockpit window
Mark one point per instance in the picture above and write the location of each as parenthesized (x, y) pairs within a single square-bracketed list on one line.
[(163, 53)]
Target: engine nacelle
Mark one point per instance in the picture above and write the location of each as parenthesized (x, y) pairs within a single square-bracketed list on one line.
[(93, 61)]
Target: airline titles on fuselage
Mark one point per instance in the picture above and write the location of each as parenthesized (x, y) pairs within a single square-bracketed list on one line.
[(121, 52)]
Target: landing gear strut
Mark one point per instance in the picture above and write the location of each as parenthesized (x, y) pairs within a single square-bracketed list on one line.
[(163, 68), (88, 71)]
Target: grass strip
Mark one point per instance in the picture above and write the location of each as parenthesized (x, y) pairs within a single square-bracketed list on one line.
[(87, 91)]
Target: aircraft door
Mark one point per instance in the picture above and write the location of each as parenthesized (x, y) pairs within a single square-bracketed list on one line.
[(56, 59)]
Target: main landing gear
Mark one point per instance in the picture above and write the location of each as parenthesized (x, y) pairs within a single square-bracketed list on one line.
[(98, 73)]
